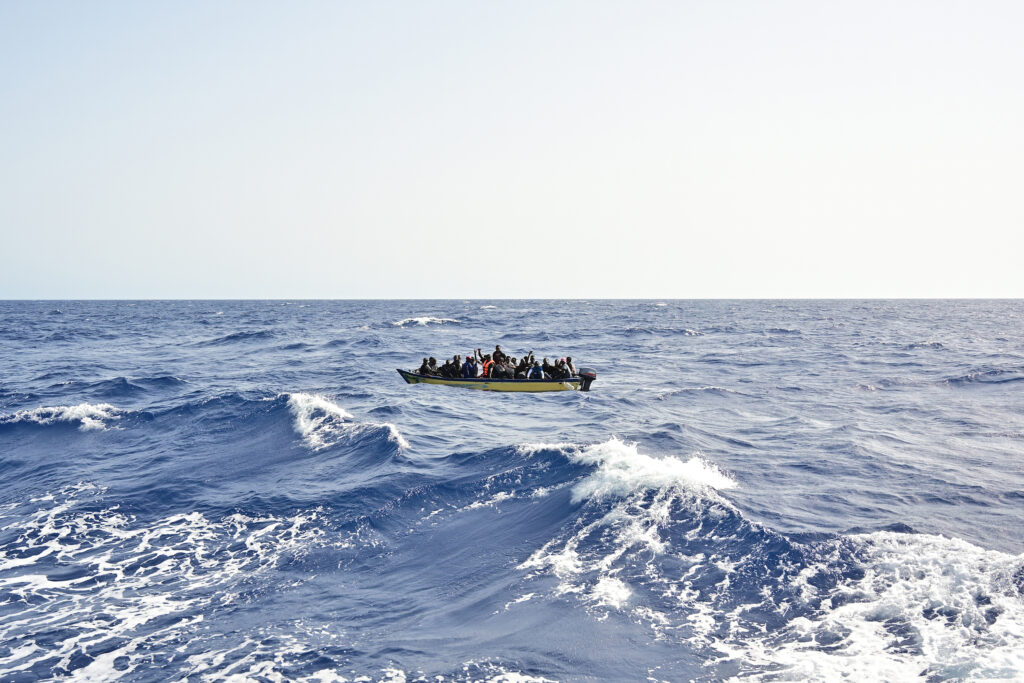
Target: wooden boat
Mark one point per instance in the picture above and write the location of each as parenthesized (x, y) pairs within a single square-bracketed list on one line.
[(581, 383)]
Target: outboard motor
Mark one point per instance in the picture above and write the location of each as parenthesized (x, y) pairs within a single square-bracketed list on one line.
[(586, 377)]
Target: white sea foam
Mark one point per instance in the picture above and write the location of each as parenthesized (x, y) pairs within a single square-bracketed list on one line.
[(323, 423), (878, 606), (622, 469), (491, 502), (490, 672), (644, 491), (926, 607), (99, 577), (424, 320), (88, 415), (611, 592)]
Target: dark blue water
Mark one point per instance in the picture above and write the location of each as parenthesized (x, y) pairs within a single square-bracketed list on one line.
[(763, 490)]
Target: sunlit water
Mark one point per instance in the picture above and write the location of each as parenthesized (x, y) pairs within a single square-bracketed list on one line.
[(752, 490)]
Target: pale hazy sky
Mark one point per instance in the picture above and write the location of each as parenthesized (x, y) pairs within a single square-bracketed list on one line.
[(511, 149)]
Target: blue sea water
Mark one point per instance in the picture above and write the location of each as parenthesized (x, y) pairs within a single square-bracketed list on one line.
[(753, 490)]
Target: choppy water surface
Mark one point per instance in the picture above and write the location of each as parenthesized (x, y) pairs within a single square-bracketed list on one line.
[(753, 490)]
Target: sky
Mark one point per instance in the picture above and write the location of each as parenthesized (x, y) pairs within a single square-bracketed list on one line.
[(449, 149)]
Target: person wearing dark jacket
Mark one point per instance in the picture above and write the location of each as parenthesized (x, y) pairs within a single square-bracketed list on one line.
[(469, 368), (536, 372), (498, 354)]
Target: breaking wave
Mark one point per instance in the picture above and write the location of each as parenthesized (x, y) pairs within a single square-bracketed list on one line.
[(88, 416), (622, 469), (323, 423), (658, 545)]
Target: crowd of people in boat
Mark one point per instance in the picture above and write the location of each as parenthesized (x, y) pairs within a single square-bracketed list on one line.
[(498, 365)]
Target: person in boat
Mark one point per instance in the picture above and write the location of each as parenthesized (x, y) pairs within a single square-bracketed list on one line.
[(572, 368), (424, 368), (469, 368), (497, 371), (485, 368), (432, 365), (498, 355), (536, 372)]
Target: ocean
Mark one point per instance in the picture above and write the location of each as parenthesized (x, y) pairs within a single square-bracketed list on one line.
[(752, 490)]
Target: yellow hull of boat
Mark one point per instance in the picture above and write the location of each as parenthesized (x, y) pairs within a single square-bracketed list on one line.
[(484, 384)]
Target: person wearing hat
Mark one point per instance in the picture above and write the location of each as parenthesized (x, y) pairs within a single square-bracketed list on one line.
[(469, 368)]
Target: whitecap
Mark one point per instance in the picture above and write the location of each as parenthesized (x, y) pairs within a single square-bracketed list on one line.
[(637, 520), (610, 592), (424, 320), (959, 602), (622, 469), (323, 423), (88, 415)]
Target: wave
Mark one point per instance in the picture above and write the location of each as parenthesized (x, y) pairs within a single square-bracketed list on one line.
[(118, 387), (89, 416), (425, 320), (237, 337), (906, 606), (323, 423), (691, 390), (623, 470), (656, 543), (117, 590), (661, 331), (630, 502), (924, 345), (989, 376)]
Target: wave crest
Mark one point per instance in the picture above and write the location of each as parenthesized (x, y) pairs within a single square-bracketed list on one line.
[(424, 320), (622, 470), (323, 423), (89, 416)]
